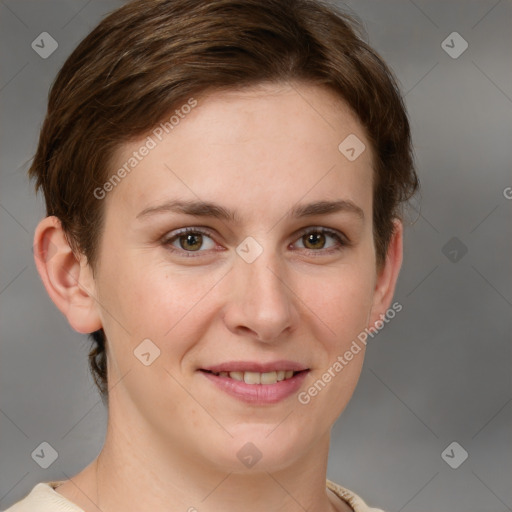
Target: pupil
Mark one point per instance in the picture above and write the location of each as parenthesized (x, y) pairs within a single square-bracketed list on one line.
[(195, 240), (315, 238)]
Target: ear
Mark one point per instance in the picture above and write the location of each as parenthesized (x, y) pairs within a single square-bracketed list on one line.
[(68, 280), (388, 275)]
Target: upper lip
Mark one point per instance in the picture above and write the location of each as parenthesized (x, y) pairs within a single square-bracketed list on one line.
[(253, 366)]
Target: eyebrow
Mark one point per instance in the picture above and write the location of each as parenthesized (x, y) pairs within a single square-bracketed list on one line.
[(209, 209)]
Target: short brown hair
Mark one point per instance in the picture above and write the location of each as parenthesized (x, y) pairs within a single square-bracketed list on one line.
[(150, 56)]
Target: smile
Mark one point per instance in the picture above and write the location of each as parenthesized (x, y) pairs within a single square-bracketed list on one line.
[(257, 377), (257, 388)]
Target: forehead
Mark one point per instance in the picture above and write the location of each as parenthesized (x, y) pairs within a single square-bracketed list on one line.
[(270, 141)]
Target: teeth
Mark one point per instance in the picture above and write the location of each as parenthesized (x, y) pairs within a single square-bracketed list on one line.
[(268, 378), (258, 378), (252, 378)]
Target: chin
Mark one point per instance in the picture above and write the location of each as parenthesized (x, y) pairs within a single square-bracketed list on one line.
[(257, 448)]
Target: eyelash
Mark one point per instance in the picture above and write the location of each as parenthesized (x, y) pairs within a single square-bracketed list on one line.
[(342, 241)]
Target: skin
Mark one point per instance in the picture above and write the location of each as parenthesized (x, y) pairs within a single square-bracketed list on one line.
[(172, 436)]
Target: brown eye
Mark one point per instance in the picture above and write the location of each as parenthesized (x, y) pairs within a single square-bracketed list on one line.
[(323, 240), (191, 241), (315, 240)]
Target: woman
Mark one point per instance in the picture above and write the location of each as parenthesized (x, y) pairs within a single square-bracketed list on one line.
[(224, 183)]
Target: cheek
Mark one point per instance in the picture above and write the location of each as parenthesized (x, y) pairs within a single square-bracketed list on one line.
[(340, 305), (149, 301)]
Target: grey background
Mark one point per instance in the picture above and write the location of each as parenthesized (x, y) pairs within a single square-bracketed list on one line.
[(438, 373)]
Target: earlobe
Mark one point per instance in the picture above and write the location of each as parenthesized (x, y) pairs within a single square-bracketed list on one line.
[(67, 279), (388, 274)]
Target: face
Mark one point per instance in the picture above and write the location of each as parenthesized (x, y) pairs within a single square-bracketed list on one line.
[(267, 277)]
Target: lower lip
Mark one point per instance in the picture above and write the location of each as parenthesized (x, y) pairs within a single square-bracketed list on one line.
[(258, 394)]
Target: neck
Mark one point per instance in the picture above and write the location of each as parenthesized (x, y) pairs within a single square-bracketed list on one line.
[(138, 469)]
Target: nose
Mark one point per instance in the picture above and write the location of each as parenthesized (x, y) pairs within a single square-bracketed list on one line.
[(261, 299)]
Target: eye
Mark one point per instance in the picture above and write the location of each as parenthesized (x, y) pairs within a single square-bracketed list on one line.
[(191, 240), (315, 239), (188, 240)]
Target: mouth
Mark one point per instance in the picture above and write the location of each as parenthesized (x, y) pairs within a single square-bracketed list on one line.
[(263, 378), (255, 383)]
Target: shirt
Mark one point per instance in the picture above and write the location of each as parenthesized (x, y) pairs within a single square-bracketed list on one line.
[(44, 498)]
